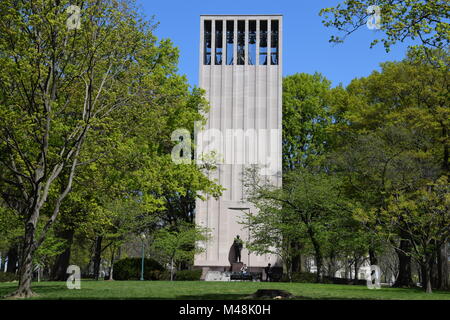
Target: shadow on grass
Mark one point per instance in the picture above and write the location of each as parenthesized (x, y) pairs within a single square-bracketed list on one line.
[(205, 297), (212, 296), (246, 297), (58, 291), (41, 291), (249, 297)]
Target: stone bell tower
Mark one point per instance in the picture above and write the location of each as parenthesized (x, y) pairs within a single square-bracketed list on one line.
[(240, 67)]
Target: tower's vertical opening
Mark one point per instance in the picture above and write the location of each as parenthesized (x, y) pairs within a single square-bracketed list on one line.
[(263, 42), (207, 42), (230, 42), (274, 26), (219, 42), (241, 43), (252, 42)]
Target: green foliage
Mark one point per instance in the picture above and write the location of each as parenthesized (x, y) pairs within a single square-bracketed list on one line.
[(306, 115), (130, 269), (50, 248), (309, 208), (424, 215), (10, 227), (425, 21), (188, 275), (391, 144), (86, 118), (179, 244)]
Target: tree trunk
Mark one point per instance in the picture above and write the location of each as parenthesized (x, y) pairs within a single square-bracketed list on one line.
[(318, 257), (2, 262), (63, 260), (427, 271), (346, 269), (317, 253), (372, 256), (13, 257), (26, 276), (356, 268), (331, 265), (319, 267), (443, 282), (26, 265), (423, 276), (113, 251), (434, 266), (429, 289), (404, 278), (97, 256), (427, 279), (171, 269), (289, 266), (296, 257)]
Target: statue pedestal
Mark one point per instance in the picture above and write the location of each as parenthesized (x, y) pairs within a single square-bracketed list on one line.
[(236, 266)]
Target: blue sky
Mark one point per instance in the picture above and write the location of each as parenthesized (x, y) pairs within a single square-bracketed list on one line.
[(306, 47)]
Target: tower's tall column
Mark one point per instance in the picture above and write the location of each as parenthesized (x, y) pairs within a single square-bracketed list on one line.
[(244, 91)]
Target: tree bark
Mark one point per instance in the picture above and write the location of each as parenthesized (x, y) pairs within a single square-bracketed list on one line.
[(13, 257), (372, 256), (426, 268), (443, 273), (26, 264), (404, 278), (356, 268), (111, 271), (434, 268), (427, 278), (97, 256), (63, 260), (171, 269), (423, 276), (427, 273), (2, 262), (318, 257), (317, 252), (332, 265), (296, 257)]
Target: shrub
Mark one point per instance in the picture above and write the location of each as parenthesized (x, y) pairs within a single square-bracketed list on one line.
[(7, 277), (130, 269), (188, 275), (327, 280), (159, 275)]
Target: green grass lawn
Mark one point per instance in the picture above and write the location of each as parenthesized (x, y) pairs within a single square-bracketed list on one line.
[(213, 290)]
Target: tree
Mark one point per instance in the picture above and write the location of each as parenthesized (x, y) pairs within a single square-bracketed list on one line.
[(123, 219), (180, 244), (425, 20), (60, 86), (347, 244), (272, 230), (373, 165), (393, 136), (306, 115), (308, 207), (424, 216)]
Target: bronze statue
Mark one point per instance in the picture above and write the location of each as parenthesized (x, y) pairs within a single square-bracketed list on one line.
[(237, 245)]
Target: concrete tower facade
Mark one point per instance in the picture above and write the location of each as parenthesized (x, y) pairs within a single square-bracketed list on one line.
[(241, 70)]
